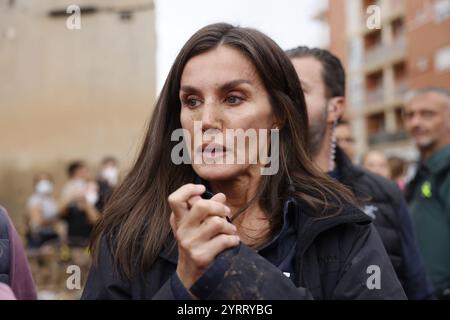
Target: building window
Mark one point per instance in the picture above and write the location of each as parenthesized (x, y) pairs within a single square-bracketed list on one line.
[(400, 79), (399, 119), (376, 123), (442, 59), (126, 15), (398, 28), (374, 88), (373, 47), (376, 128)]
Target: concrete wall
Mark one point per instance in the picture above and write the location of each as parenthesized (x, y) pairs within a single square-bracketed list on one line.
[(70, 94)]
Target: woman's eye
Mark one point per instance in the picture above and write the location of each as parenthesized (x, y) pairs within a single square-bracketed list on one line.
[(233, 100), (192, 103)]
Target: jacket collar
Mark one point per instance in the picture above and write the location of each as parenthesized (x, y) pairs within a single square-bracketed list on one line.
[(439, 161), (310, 227), (347, 170)]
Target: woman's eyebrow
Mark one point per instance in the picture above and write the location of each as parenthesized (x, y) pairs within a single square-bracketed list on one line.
[(232, 84), (190, 89), (224, 87)]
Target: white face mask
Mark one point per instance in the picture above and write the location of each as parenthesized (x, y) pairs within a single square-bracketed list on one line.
[(91, 197), (44, 187), (111, 174)]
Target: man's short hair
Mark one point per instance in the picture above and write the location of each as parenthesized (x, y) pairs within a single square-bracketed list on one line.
[(73, 167), (333, 73), (425, 90)]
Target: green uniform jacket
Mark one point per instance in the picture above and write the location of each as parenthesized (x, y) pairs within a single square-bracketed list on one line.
[(428, 195)]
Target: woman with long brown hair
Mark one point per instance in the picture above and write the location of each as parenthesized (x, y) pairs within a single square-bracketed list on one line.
[(226, 230)]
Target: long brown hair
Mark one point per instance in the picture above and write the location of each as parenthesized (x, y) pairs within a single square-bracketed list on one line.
[(135, 223)]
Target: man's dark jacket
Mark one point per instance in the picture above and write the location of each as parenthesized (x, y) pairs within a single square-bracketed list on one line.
[(383, 201)]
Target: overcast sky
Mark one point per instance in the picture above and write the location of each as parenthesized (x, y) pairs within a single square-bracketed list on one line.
[(288, 22)]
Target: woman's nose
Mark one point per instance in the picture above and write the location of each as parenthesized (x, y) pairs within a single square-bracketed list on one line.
[(211, 116)]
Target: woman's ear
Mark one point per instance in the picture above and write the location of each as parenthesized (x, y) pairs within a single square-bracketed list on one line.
[(336, 108), (276, 123), (275, 126)]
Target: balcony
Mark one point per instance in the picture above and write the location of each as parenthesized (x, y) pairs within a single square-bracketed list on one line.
[(375, 55), (374, 96), (380, 54), (399, 43), (387, 137), (401, 88)]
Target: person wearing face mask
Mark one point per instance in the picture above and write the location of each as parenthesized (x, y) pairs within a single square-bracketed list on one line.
[(42, 212), (107, 179), (78, 204)]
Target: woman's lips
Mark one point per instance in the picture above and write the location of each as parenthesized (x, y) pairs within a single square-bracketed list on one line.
[(212, 150)]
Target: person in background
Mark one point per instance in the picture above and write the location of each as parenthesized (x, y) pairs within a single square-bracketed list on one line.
[(345, 139), (42, 212), (78, 204), (427, 121), (398, 167), (15, 272), (107, 179), (322, 78), (377, 162)]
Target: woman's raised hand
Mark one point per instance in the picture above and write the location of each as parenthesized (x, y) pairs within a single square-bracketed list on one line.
[(201, 230)]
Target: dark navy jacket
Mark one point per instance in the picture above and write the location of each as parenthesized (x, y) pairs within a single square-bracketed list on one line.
[(5, 254), (384, 202), (334, 258)]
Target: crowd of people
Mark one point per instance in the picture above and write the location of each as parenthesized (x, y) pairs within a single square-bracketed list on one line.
[(224, 231), (70, 218), (62, 224)]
